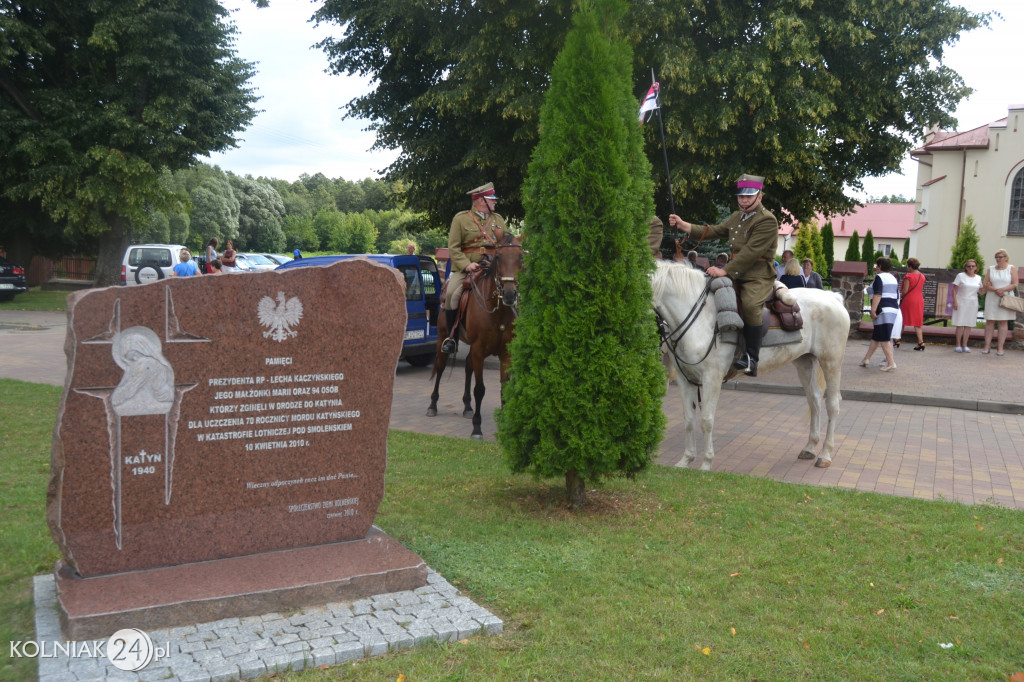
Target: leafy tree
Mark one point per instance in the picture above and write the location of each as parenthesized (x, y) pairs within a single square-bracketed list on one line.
[(99, 97), (215, 208), (584, 395), (892, 199), (325, 223), (432, 240), (353, 233), (867, 250), (399, 246), (396, 224), (171, 226), (853, 249), (294, 196), (828, 245), (300, 234), (349, 197), (375, 195), (815, 95), (260, 215), (966, 247)]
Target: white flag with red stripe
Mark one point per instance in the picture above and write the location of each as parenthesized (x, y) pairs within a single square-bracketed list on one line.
[(649, 104)]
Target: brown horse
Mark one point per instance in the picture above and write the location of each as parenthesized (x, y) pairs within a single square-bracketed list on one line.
[(486, 326)]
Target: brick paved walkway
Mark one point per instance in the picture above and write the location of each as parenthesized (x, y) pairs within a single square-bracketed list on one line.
[(943, 424), (891, 440)]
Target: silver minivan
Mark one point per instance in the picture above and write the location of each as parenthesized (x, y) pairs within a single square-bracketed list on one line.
[(144, 263)]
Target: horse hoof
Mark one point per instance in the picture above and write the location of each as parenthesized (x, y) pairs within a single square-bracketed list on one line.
[(468, 414), (432, 412), (477, 436), (823, 463), (806, 454)]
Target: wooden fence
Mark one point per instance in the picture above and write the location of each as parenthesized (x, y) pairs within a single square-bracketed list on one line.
[(40, 270)]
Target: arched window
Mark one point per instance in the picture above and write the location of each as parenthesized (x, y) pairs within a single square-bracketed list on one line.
[(1016, 225)]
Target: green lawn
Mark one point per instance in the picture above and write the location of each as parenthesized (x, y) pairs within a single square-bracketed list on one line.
[(37, 299), (678, 575)]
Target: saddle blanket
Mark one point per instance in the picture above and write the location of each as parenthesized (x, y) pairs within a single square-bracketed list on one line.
[(773, 336)]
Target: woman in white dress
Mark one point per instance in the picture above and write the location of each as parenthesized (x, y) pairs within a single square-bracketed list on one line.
[(1000, 280), (965, 304)]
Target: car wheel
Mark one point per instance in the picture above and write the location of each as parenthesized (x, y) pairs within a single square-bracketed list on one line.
[(420, 360), (148, 273)]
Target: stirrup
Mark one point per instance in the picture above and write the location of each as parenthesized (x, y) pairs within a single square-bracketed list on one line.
[(448, 346)]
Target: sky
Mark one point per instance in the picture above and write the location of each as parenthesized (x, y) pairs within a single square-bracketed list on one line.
[(301, 130)]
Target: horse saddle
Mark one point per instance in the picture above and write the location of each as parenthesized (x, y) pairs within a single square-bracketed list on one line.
[(782, 310), (467, 285)]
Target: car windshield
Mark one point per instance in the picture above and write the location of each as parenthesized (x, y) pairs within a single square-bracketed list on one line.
[(150, 256), (258, 259)]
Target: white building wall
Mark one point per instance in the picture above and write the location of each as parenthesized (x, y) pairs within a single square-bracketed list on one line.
[(984, 177)]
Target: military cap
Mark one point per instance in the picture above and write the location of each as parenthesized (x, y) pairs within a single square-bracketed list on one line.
[(485, 191), (749, 184)]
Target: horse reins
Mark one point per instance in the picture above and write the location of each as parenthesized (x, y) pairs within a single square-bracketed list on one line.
[(673, 337)]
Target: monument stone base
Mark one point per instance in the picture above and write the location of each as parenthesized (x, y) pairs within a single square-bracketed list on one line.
[(96, 607)]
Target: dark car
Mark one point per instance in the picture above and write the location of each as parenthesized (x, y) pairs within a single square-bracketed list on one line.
[(12, 280)]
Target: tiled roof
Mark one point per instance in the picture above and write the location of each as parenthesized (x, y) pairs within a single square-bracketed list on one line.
[(945, 140), (886, 221)]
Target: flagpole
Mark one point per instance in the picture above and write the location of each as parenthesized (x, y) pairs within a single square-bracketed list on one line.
[(664, 153)]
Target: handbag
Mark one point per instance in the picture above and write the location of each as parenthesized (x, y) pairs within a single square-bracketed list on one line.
[(1012, 303)]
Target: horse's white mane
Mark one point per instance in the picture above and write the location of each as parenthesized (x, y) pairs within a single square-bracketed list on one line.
[(686, 281)]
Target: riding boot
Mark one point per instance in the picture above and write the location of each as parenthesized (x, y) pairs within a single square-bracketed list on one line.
[(752, 338), (449, 345)]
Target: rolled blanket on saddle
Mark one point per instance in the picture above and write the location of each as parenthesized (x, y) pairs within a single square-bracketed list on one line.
[(725, 300), (728, 307)]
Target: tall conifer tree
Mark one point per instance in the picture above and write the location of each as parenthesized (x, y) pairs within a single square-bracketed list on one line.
[(584, 396), (966, 247), (867, 250), (828, 245), (853, 249)]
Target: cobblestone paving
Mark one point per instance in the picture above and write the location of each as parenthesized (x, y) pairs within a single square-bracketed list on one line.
[(244, 648)]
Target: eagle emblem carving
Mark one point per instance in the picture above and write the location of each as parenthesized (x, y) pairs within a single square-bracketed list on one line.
[(279, 316)]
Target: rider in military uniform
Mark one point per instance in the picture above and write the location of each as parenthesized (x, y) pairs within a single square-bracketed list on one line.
[(472, 234), (753, 233)]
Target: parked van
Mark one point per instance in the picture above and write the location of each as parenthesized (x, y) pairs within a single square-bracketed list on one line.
[(422, 298), (145, 263)]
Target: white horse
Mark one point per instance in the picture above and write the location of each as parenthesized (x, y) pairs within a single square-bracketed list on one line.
[(704, 357)]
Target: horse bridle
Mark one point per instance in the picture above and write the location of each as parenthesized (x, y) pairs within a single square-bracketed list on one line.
[(499, 282), (673, 337)]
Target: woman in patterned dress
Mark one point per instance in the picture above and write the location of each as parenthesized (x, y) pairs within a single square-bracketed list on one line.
[(884, 306)]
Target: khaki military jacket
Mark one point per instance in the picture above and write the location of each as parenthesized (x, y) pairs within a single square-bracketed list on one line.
[(469, 234), (752, 242)]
